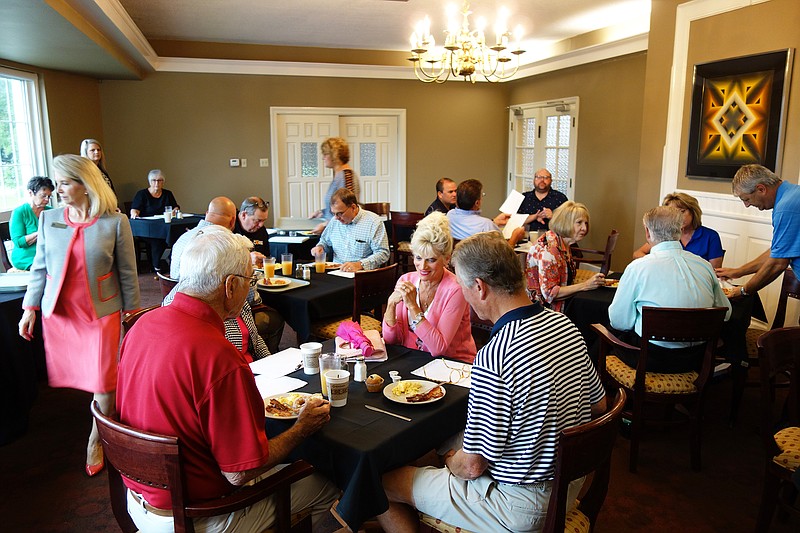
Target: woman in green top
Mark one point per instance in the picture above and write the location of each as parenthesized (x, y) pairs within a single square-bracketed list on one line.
[(25, 222)]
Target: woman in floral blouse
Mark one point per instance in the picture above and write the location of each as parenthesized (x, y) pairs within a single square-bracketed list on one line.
[(550, 268)]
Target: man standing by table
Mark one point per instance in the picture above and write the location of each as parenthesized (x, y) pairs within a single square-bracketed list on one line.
[(445, 197), (249, 221), (357, 237), (466, 219), (668, 276), (179, 375), (531, 381), (540, 203), (759, 187)]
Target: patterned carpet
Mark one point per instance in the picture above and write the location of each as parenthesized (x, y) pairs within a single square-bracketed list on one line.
[(44, 488)]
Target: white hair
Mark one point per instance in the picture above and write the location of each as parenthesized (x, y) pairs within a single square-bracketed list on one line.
[(213, 254)]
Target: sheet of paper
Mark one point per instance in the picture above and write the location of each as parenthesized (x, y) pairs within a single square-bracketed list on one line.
[(512, 203), (342, 274), (271, 386), (447, 371), (516, 220), (289, 240), (278, 364)]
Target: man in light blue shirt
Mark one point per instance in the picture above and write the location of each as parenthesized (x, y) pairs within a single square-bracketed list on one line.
[(356, 237), (466, 219), (759, 187), (668, 276)]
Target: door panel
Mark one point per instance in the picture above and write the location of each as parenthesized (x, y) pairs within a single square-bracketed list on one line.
[(373, 155)]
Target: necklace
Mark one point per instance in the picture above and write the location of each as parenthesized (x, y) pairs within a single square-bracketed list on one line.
[(426, 299)]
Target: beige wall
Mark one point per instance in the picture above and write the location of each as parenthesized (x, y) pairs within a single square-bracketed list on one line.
[(190, 125), (609, 133), (769, 26)]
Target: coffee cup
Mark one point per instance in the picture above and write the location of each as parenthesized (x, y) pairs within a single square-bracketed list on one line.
[(338, 384), (310, 352)]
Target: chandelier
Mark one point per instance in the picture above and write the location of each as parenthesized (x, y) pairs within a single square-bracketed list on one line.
[(465, 52)]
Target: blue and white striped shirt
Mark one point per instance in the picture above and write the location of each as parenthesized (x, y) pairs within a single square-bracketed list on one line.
[(531, 381)]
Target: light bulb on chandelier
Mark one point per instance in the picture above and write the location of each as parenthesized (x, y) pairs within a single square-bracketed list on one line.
[(465, 52)]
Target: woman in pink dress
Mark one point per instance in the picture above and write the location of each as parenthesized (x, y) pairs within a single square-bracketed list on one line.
[(83, 275), (427, 310), (550, 269)]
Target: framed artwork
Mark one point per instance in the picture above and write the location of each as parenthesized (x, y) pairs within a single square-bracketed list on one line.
[(738, 114)]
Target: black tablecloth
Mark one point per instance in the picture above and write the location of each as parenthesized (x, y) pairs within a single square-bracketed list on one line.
[(590, 307), (18, 360), (326, 296), (359, 445), (158, 229), (301, 251)]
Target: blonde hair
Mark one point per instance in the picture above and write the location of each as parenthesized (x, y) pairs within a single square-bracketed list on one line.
[(564, 217), (337, 147), (433, 235), (102, 200), (685, 201), (85, 152)]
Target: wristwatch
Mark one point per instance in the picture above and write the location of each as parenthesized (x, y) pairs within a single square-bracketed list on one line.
[(416, 320), (742, 291)]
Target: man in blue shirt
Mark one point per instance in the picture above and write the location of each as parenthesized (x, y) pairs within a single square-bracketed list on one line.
[(466, 219), (759, 187)]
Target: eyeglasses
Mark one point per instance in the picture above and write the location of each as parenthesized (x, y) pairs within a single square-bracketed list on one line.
[(458, 371), (254, 202), (252, 279), (157, 181), (542, 177), (341, 213), (44, 196)]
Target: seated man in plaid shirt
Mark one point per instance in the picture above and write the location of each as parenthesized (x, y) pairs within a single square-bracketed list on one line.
[(357, 237)]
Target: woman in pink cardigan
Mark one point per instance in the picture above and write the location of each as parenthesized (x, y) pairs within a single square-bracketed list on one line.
[(427, 310)]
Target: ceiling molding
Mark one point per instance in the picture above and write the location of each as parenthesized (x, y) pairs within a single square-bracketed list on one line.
[(125, 24)]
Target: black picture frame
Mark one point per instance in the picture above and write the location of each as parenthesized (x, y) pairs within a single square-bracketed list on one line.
[(738, 114)]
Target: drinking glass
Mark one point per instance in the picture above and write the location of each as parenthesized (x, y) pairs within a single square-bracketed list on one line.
[(286, 264), (329, 361), (319, 261), (269, 267)]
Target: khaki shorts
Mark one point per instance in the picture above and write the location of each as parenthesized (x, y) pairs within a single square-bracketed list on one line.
[(483, 504)]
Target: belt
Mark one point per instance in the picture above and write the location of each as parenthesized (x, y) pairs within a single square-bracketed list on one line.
[(147, 507)]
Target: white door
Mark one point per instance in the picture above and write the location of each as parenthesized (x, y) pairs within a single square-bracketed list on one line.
[(304, 180), (300, 181), (544, 136), (373, 155)]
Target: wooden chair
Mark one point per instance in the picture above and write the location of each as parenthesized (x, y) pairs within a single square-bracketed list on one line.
[(379, 208), (581, 450), (156, 460), (604, 261), (371, 289), (403, 225), (779, 362), (790, 288), (130, 320), (664, 324), (166, 284)]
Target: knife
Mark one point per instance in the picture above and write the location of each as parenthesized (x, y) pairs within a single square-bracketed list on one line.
[(371, 408)]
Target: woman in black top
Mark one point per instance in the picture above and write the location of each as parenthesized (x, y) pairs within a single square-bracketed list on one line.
[(154, 201)]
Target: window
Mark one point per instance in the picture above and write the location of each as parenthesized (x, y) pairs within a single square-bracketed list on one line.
[(544, 135), (21, 145)]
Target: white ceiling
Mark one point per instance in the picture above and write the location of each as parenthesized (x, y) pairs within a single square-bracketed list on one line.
[(110, 38)]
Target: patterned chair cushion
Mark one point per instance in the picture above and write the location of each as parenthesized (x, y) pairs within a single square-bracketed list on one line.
[(576, 522), (653, 382), (788, 440), (404, 246), (438, 525), (751, 338), (582, 275), (327, 330)]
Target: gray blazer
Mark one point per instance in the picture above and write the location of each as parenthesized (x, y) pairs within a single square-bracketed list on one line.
[(110, 263)]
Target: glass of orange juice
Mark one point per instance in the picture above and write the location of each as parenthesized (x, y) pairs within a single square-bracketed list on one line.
[(319, 260), (269, 267), (286, 264)]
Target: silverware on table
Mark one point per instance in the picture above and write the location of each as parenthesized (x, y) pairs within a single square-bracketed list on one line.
[(371, 408)]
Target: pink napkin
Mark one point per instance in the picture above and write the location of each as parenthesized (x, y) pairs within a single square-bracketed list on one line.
[(348, 349), (352, 332)]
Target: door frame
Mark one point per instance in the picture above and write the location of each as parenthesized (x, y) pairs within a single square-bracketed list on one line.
[(274, 112)]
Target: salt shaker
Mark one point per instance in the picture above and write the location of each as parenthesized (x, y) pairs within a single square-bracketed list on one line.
[(360, 369), (306, 272)]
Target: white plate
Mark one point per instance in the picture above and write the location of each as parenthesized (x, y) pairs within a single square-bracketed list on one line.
[(425, 386), (278, 397), (293, 284), (274, 283)]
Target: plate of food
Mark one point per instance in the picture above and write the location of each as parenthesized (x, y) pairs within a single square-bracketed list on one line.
[(273, 283), (414, 391), (332, 266), (286, 406), (612, 283)]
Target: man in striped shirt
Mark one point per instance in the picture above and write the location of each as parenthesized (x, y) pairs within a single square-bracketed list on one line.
[(531, 381)]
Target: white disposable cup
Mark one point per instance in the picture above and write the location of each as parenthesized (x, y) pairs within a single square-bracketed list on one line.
[(310, 352), (167, 216), (338, 382)]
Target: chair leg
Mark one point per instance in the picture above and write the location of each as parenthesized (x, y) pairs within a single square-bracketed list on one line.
[(637, 424), (696, 420), (769, 500), (739, 375)]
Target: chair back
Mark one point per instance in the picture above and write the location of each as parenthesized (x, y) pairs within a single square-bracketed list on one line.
[(166, 284), (583, 449), (790, 288), (144, 457), (5, 235), (779, 364), (379, 208), (130, 320), (371, 290), (672, 324), (403, 225), (604, 261)]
